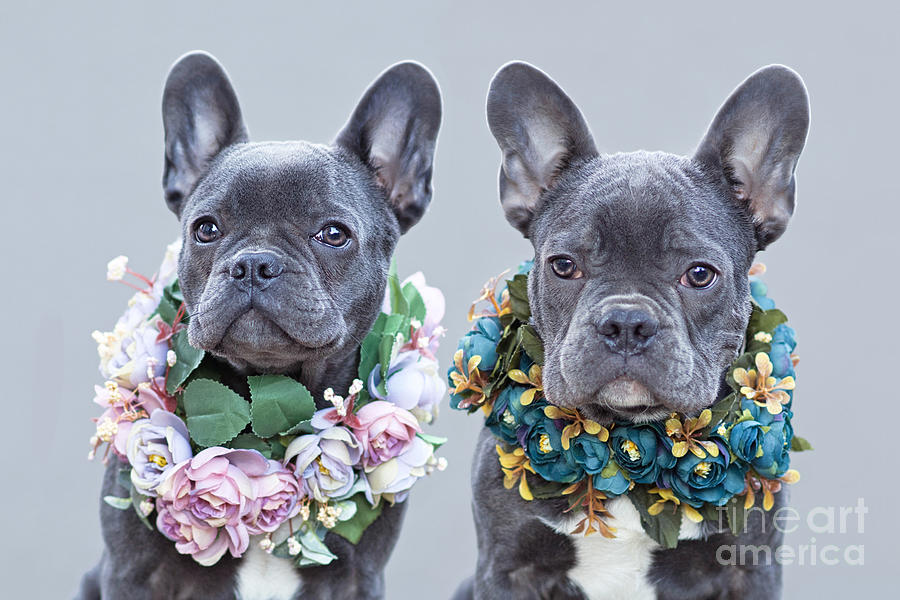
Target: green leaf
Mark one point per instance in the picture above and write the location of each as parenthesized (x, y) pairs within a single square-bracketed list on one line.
[(215, 414), (721, 410), (518, 296), (301, 427), (249, 441), (368, 350), (765, 320), (136, 499), (799, 444), (278, 404), (434, 440), (542, 489), (116, 502), (663, 527), (366, 514), (399, 304), (167, 310), (532, 344), (416, 304), (187, 359)]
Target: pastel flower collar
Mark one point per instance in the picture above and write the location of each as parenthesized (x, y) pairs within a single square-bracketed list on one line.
[(677, 467), (209, 468)]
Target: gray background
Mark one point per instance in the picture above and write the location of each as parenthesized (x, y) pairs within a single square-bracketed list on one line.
[(81, 162)]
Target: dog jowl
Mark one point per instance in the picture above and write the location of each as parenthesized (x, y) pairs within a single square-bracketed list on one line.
[(640, 294), (286, 248)]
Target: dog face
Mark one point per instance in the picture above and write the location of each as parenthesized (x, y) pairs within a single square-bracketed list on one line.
[(286, 245), (639, 288)]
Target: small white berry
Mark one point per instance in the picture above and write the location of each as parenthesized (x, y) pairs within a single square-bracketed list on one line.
[(171, 358), (116, 268), (293, 546)]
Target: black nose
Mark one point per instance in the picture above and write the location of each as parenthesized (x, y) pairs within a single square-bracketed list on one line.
[(628, 330), (256, 268)]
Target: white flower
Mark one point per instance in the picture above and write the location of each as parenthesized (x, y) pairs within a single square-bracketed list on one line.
[(115, 269)]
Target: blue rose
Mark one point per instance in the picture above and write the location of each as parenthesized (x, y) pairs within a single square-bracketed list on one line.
[(775, 434), (759, 291), (783, 344), (713, 479), (508, 415), (588, 451), (543, 444), (642, 451), (482, 341)]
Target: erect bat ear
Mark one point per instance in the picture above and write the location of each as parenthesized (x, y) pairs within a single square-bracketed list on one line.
[(201, 117), (756, 139)]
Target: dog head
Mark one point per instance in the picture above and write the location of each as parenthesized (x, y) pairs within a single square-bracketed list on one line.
[(639, 288), (287, 245)]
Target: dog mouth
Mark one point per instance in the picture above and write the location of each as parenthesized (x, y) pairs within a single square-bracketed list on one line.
[(624, 399)]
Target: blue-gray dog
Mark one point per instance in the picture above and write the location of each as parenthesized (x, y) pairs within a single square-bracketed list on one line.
[(285, 259), (640, 294)]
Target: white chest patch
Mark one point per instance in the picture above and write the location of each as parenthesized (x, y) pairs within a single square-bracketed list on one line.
[(262, 576), (610, 569)]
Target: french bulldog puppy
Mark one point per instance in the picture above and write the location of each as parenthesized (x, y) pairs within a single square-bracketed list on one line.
[(640, 293), (285, 258)]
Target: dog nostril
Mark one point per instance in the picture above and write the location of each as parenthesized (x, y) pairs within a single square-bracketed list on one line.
[(270, 270), (628, 330), (238, 271)]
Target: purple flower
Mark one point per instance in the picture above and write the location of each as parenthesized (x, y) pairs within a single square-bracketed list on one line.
[(155, 446), (203, 501), (324, 462), (384, 431), (278, 499), (414, 383), (392, 479)]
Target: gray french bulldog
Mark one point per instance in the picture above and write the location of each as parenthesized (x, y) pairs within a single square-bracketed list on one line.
[(285, 259), (640, 294)]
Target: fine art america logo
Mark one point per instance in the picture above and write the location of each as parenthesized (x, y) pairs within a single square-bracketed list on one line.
[(821, 520)]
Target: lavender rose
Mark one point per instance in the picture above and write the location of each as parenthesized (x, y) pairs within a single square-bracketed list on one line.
[(210, 494), (414, 383), (324, 461), (385, 431), (155, 446), (278, 499)]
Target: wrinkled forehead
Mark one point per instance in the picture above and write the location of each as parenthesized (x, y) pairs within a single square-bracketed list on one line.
[(641, 207), (283, 181)]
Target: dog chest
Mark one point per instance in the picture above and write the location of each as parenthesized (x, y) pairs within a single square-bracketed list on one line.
[(262, 576), (610, 569)]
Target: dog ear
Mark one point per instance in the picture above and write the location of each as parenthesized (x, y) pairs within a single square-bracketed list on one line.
[(756, 139), (394, 130), (201, 116), (540, 132)]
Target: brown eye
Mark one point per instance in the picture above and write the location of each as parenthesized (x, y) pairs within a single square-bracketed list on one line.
[(699, 276), (207, 232), (333, 235), (565, 267)]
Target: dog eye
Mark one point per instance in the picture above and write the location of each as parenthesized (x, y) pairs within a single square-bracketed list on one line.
[(699, 276), (565, 267), (206, 232), (333, 235)]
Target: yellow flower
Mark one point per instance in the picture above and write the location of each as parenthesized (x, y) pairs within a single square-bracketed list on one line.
[(759, 385), (473, 380), (664, 497), (684, 435), (768, 487), (515, 465), (533, 379), (576, 426)]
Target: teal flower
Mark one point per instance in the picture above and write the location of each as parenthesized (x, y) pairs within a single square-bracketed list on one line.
[(713, 479), (759, 291), (482, 341), (543, 444), (508, 415), (783, 344), (590, 453), (642, 451), (762, 440)]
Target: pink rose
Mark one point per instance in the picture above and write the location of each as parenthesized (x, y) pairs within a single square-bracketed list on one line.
[(385, 431), (277, 500), (207, 499)]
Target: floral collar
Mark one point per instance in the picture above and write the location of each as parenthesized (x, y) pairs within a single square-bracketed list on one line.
[(676, 467), (217, 468)]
